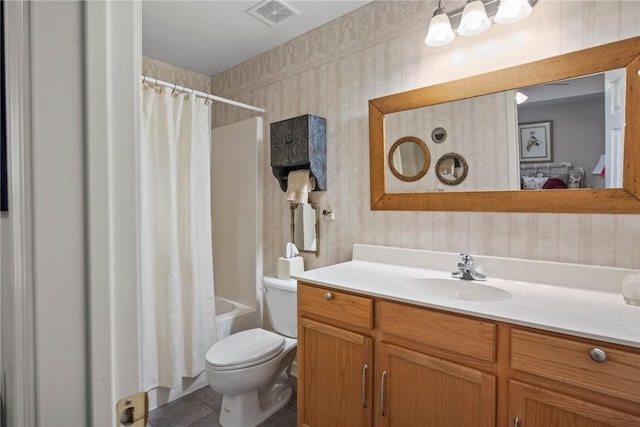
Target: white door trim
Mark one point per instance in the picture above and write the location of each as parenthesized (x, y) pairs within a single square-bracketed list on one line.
[(21, 342), (112, 32), (112, 57)]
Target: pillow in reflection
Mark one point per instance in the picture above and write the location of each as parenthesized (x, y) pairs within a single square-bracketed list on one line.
[(533, 183), (554, 183)]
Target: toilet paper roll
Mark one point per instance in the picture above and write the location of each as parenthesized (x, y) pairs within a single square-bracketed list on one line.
[(290, 266)]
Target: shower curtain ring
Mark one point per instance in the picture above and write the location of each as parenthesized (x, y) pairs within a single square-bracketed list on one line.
[(174, 91)]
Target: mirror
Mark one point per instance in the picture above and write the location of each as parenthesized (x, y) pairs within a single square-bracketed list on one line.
[(409, 158), (305, 226), (621, 54), (452, 169), (438, 135)]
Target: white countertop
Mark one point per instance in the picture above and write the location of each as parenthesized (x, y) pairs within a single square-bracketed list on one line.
[(595, 310)]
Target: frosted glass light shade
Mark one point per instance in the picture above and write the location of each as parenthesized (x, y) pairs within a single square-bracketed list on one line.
[(474, 19), (440, 32), (511, 11)]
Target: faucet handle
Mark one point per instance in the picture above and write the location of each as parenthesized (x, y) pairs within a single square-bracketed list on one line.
[(466, 259)]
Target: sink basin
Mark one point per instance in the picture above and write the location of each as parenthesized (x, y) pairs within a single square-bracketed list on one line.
[(464, 290)]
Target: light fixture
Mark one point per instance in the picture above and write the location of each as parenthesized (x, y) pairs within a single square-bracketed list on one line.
[(520, 97), (440, 31), (475, 18), (511, 11)]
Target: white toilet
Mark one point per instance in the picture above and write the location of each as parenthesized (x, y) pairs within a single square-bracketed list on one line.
[(249, 368)]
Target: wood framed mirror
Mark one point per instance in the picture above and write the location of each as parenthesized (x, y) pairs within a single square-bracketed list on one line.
[(621, 54), (452, 169), (409, 158)]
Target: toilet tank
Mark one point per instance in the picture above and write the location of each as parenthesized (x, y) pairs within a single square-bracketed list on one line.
[(281, 297)]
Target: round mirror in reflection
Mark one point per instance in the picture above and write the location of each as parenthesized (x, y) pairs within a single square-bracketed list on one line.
[(451, 169), (438, 135), (409, 158)]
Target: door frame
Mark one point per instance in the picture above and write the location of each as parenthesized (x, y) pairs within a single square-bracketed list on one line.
[(111, 50), (113, 58), (18, 328)]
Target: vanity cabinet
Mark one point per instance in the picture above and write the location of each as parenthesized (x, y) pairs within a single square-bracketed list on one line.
[(335, 358), (532, 406), (420, 390), (425, 372), (570, 381), (368, 361)]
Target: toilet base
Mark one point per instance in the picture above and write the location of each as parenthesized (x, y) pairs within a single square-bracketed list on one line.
[(255, 406)]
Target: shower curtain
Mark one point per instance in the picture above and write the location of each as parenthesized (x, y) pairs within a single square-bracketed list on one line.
[(177, 298)]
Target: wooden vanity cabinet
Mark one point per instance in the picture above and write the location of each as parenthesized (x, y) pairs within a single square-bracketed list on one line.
[(336, 363), (560, 381), (335, 358), (365, 361), (423, 371)]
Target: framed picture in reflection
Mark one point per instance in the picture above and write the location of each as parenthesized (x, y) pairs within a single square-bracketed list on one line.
[(535, 142)]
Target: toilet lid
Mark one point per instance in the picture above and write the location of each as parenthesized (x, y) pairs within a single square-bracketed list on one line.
[(244, 349)]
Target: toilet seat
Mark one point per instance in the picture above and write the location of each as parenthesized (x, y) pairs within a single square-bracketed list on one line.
[(244, 349)]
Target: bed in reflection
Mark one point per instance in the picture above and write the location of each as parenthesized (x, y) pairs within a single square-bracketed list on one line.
[(548, 176)]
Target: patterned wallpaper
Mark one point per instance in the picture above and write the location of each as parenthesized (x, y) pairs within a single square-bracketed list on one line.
[(378, 50), (483, 139), (170, 73)]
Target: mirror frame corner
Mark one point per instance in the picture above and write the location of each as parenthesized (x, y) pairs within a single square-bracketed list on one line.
[(620, 54)]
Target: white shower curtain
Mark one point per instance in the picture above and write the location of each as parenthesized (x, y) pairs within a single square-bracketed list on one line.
[(177, 304)]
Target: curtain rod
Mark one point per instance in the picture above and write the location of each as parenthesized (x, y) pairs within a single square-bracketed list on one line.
[(199, 93)]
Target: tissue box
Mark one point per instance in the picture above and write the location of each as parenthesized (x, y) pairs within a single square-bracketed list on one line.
[(290, 266)]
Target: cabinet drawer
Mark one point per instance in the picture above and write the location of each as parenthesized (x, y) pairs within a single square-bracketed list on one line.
[(457, 334), (335, 305), (569, 361)]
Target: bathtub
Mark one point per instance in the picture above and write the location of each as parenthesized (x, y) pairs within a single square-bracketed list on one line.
[(232, 317)]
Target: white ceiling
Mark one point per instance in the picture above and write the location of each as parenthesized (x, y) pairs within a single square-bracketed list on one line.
[(564, 89), (210, 36)]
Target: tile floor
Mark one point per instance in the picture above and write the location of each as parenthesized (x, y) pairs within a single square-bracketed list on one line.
[(202, 409)]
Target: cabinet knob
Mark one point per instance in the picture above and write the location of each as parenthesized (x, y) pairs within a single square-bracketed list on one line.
[(598, 355), (516, 422), (328, 296)]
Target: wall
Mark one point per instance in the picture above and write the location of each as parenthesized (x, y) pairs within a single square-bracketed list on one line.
[(378, 50), (477, 128), (170, 73), (577, 131)]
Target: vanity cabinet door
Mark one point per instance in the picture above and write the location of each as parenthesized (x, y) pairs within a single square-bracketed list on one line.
[(421, 390), (334, 376), (532, 406)]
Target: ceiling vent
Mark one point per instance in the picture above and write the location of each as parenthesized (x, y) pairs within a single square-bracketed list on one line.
[(272, 12)]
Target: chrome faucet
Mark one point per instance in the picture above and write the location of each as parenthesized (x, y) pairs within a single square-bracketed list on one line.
[(466, 270)]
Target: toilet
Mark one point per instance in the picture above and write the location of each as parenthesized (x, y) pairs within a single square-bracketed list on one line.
[(249, 368)]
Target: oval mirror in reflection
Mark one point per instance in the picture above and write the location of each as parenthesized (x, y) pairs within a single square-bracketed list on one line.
[(409, 158), (438, 135), (451, 169)]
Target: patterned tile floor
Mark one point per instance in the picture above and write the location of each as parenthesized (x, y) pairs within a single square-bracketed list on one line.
[(202, 409)]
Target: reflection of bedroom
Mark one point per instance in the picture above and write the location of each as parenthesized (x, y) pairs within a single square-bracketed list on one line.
[(577, 133)]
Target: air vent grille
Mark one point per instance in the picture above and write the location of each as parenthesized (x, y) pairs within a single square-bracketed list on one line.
[(272, 12)]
